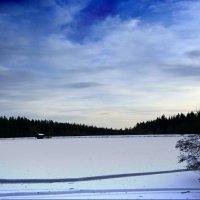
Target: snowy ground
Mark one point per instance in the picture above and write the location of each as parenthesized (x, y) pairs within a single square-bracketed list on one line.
[(85, 157)]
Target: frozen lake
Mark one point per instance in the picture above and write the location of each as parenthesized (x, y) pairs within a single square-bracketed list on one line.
[(74, 157)]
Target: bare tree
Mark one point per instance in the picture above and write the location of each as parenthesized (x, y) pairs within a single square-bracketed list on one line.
[(190, 151)]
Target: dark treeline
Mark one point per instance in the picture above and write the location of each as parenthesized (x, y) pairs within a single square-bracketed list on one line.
[(178, 124), (23, 127)]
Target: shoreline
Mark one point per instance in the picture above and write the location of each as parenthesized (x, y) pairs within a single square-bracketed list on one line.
[(101, 136)]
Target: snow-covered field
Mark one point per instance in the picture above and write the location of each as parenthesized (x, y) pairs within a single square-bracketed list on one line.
[(75, 157)]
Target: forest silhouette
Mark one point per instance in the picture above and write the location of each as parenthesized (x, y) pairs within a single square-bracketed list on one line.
[(14, 127)]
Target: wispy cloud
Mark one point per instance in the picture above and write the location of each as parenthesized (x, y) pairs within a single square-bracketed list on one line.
[(82, 85), (193, 53)]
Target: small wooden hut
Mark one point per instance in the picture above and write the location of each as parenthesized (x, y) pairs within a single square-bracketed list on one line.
[(40, 135)]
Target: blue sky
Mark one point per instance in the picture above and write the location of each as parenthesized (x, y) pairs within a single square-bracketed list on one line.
[(108, 63)]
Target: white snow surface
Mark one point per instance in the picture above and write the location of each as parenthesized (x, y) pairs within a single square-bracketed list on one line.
[(74, 157)]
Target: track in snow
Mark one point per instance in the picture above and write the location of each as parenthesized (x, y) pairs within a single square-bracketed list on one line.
[(91, 178), (102, 191)]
